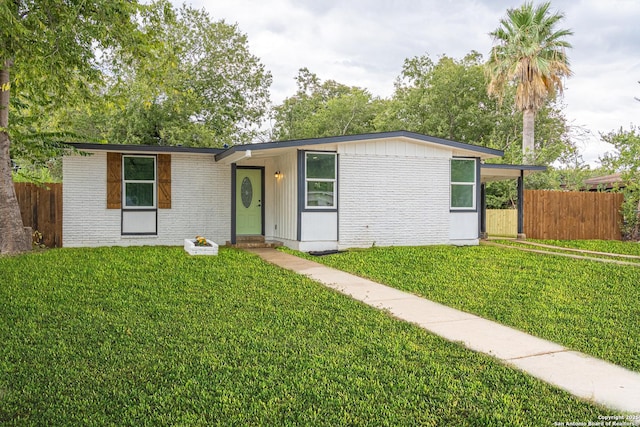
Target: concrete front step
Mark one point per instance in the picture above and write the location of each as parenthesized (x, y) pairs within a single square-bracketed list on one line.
[(254, 244), (250, 239)]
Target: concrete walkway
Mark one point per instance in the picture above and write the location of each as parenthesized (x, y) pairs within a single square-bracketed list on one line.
[(581, 375), (567, 255)]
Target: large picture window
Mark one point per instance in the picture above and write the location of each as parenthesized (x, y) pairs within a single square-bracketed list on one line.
[(463, 184), (320, 180)]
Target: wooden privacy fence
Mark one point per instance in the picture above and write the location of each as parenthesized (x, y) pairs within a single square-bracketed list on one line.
[(571, 215), (41, 209)]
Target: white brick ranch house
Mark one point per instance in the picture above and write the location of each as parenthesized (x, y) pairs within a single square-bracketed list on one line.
[(383, 189)]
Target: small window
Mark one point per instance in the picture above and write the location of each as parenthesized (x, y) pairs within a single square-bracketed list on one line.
[(139, 182), (463, 184), (320, 177), (139, 213)]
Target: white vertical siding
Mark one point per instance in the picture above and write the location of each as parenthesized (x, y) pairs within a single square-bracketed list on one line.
[(201, 203), (393, 193), (394, 148), (268, 198), (285, 197)]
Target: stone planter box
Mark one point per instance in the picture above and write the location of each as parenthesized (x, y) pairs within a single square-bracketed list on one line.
[(192, 249)]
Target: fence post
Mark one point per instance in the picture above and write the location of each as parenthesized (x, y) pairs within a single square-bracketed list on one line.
[(521, 234), (483, 212)]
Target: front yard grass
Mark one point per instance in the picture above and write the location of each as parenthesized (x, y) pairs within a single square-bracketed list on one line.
[(585, 305), (152, 336)]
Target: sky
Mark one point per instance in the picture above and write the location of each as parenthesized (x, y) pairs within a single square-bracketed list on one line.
[(365, 42)]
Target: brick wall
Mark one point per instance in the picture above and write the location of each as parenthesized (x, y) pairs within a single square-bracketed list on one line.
[(200, 203), (393, 200)]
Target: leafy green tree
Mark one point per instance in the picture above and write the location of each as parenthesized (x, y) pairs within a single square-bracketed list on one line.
[(407, 108), (445, 99), (47, 54), (529, 52), (626, 160), (448, 99), (327, 108), (202, 86)]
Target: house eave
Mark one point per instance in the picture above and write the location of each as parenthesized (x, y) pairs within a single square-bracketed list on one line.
[(83, 146), (501, 172), (233, 157)]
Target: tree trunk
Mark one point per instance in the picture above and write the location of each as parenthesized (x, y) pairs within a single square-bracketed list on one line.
[(528, 146), (13, 238)]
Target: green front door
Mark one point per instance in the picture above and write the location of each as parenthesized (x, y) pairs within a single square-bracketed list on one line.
[(248, 202)]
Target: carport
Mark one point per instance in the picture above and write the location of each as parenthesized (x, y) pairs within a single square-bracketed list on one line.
[(501, 172)]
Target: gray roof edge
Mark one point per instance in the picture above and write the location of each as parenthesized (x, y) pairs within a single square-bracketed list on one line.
[(359, 137), (143, 148)]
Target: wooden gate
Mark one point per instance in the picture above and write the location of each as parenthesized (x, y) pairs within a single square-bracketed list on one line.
[(502, 222), (572, 215), (41, 209)]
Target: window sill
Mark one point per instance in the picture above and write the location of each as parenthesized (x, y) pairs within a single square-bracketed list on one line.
[(463, 210), (320, 210)]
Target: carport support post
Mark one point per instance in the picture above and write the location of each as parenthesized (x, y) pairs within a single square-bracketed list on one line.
[(521, 234), (483, 212)]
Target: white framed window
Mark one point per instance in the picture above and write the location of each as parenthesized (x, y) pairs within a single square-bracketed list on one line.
[(463, 184), (139, 182), (139, 195), (320, 180)]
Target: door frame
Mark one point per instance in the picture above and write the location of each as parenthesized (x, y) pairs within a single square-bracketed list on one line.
[(234, 169)]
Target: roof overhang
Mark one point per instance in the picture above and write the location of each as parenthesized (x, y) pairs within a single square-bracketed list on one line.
[(143, 148), (500, 172), (234, 156), (606, 182)]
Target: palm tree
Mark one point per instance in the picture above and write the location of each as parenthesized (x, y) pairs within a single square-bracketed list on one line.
[(529, 52)]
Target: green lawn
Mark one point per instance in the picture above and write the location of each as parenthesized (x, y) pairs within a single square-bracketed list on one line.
[(131, 336), (587, 306)]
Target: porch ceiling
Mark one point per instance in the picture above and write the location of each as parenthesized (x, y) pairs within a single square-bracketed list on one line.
[(499, 172)]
